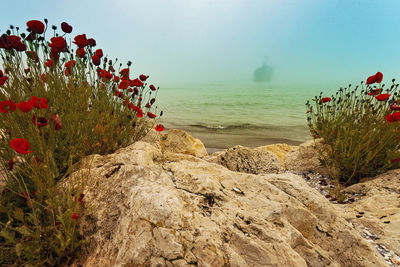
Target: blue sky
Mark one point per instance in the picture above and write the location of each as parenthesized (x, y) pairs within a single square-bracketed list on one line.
[(326, 42)]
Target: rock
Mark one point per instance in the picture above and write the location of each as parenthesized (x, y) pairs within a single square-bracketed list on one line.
[(305, 158), (258, 160), (142, 209), (280, 150), (152, 137), (178, 141), (380, 203)]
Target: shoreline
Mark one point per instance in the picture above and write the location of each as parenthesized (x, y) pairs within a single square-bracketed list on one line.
[(217, 141)]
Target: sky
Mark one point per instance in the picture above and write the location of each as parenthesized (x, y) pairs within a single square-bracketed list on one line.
[(306, 42)]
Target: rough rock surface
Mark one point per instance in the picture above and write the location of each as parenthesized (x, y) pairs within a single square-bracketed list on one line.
[(304, 158), (378, 210), (178, 141), (258, 160), (280, 150), (148, 208)]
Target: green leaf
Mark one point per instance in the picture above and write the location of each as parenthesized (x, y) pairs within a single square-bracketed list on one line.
[(24, 230), (19, 214), (19, 249)]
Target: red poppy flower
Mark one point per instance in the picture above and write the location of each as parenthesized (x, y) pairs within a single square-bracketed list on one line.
[(125, 73), (58, 44), (151, 115), (80, 52), (20, 47), (152, 87), (57, 122), (395, 160), (39, 122), (68, 72), (96, 60), (159, 128), (25, 106), (1, 73), (382, 97), (99, 53), (116, 79), (136, 82), (326, 99), (139, 113), (396, 116), (105, 74), (38, 102), (119, 94), (20, 145), (65, 27), (74, 216), (143, 77), (12, 42), (35, 26), (123, 84), (32, 55), (70, 64), (377, 78), (92, 42), (49, 63), (81, 41), (394, 107), (375, 91), (3, 80), (43, 77), (11, 163), (9, 103)]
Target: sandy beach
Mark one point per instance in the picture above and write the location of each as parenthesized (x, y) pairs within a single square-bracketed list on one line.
[(216, 140)]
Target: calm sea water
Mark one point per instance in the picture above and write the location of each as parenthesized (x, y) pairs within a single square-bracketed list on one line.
[(223, 114)]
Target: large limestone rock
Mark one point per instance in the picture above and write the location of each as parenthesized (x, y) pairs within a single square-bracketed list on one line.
[(304, 158), (148, 208), (280, 151), (178, 141), (376, 209), (258, 160)]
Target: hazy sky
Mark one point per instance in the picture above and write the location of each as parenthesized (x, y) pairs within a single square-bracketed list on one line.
[(178, 41)]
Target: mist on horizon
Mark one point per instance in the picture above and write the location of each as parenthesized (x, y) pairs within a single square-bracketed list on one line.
[(307, 42)]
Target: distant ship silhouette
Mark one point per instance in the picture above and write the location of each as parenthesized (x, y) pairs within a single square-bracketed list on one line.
[(263, 73)]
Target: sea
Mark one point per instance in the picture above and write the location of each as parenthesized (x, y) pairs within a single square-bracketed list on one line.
[(224, 114)]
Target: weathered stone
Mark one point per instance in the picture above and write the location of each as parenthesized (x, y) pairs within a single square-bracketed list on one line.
[(378, 209), (143, 210), (258, 160), (178, 141), (304, 158), (280, 151)]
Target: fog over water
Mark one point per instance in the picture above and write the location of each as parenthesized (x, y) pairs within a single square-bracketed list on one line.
[(187, 46)]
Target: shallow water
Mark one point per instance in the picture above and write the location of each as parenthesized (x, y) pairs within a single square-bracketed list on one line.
[(223, 114)]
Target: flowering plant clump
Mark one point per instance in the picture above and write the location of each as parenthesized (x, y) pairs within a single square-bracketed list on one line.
[(360, 129), (59, 101)]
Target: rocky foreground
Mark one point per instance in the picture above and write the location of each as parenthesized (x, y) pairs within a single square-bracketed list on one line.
[(164, 201)]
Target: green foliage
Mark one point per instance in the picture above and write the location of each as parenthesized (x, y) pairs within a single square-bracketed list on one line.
[(65, 111), (357, 139)]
